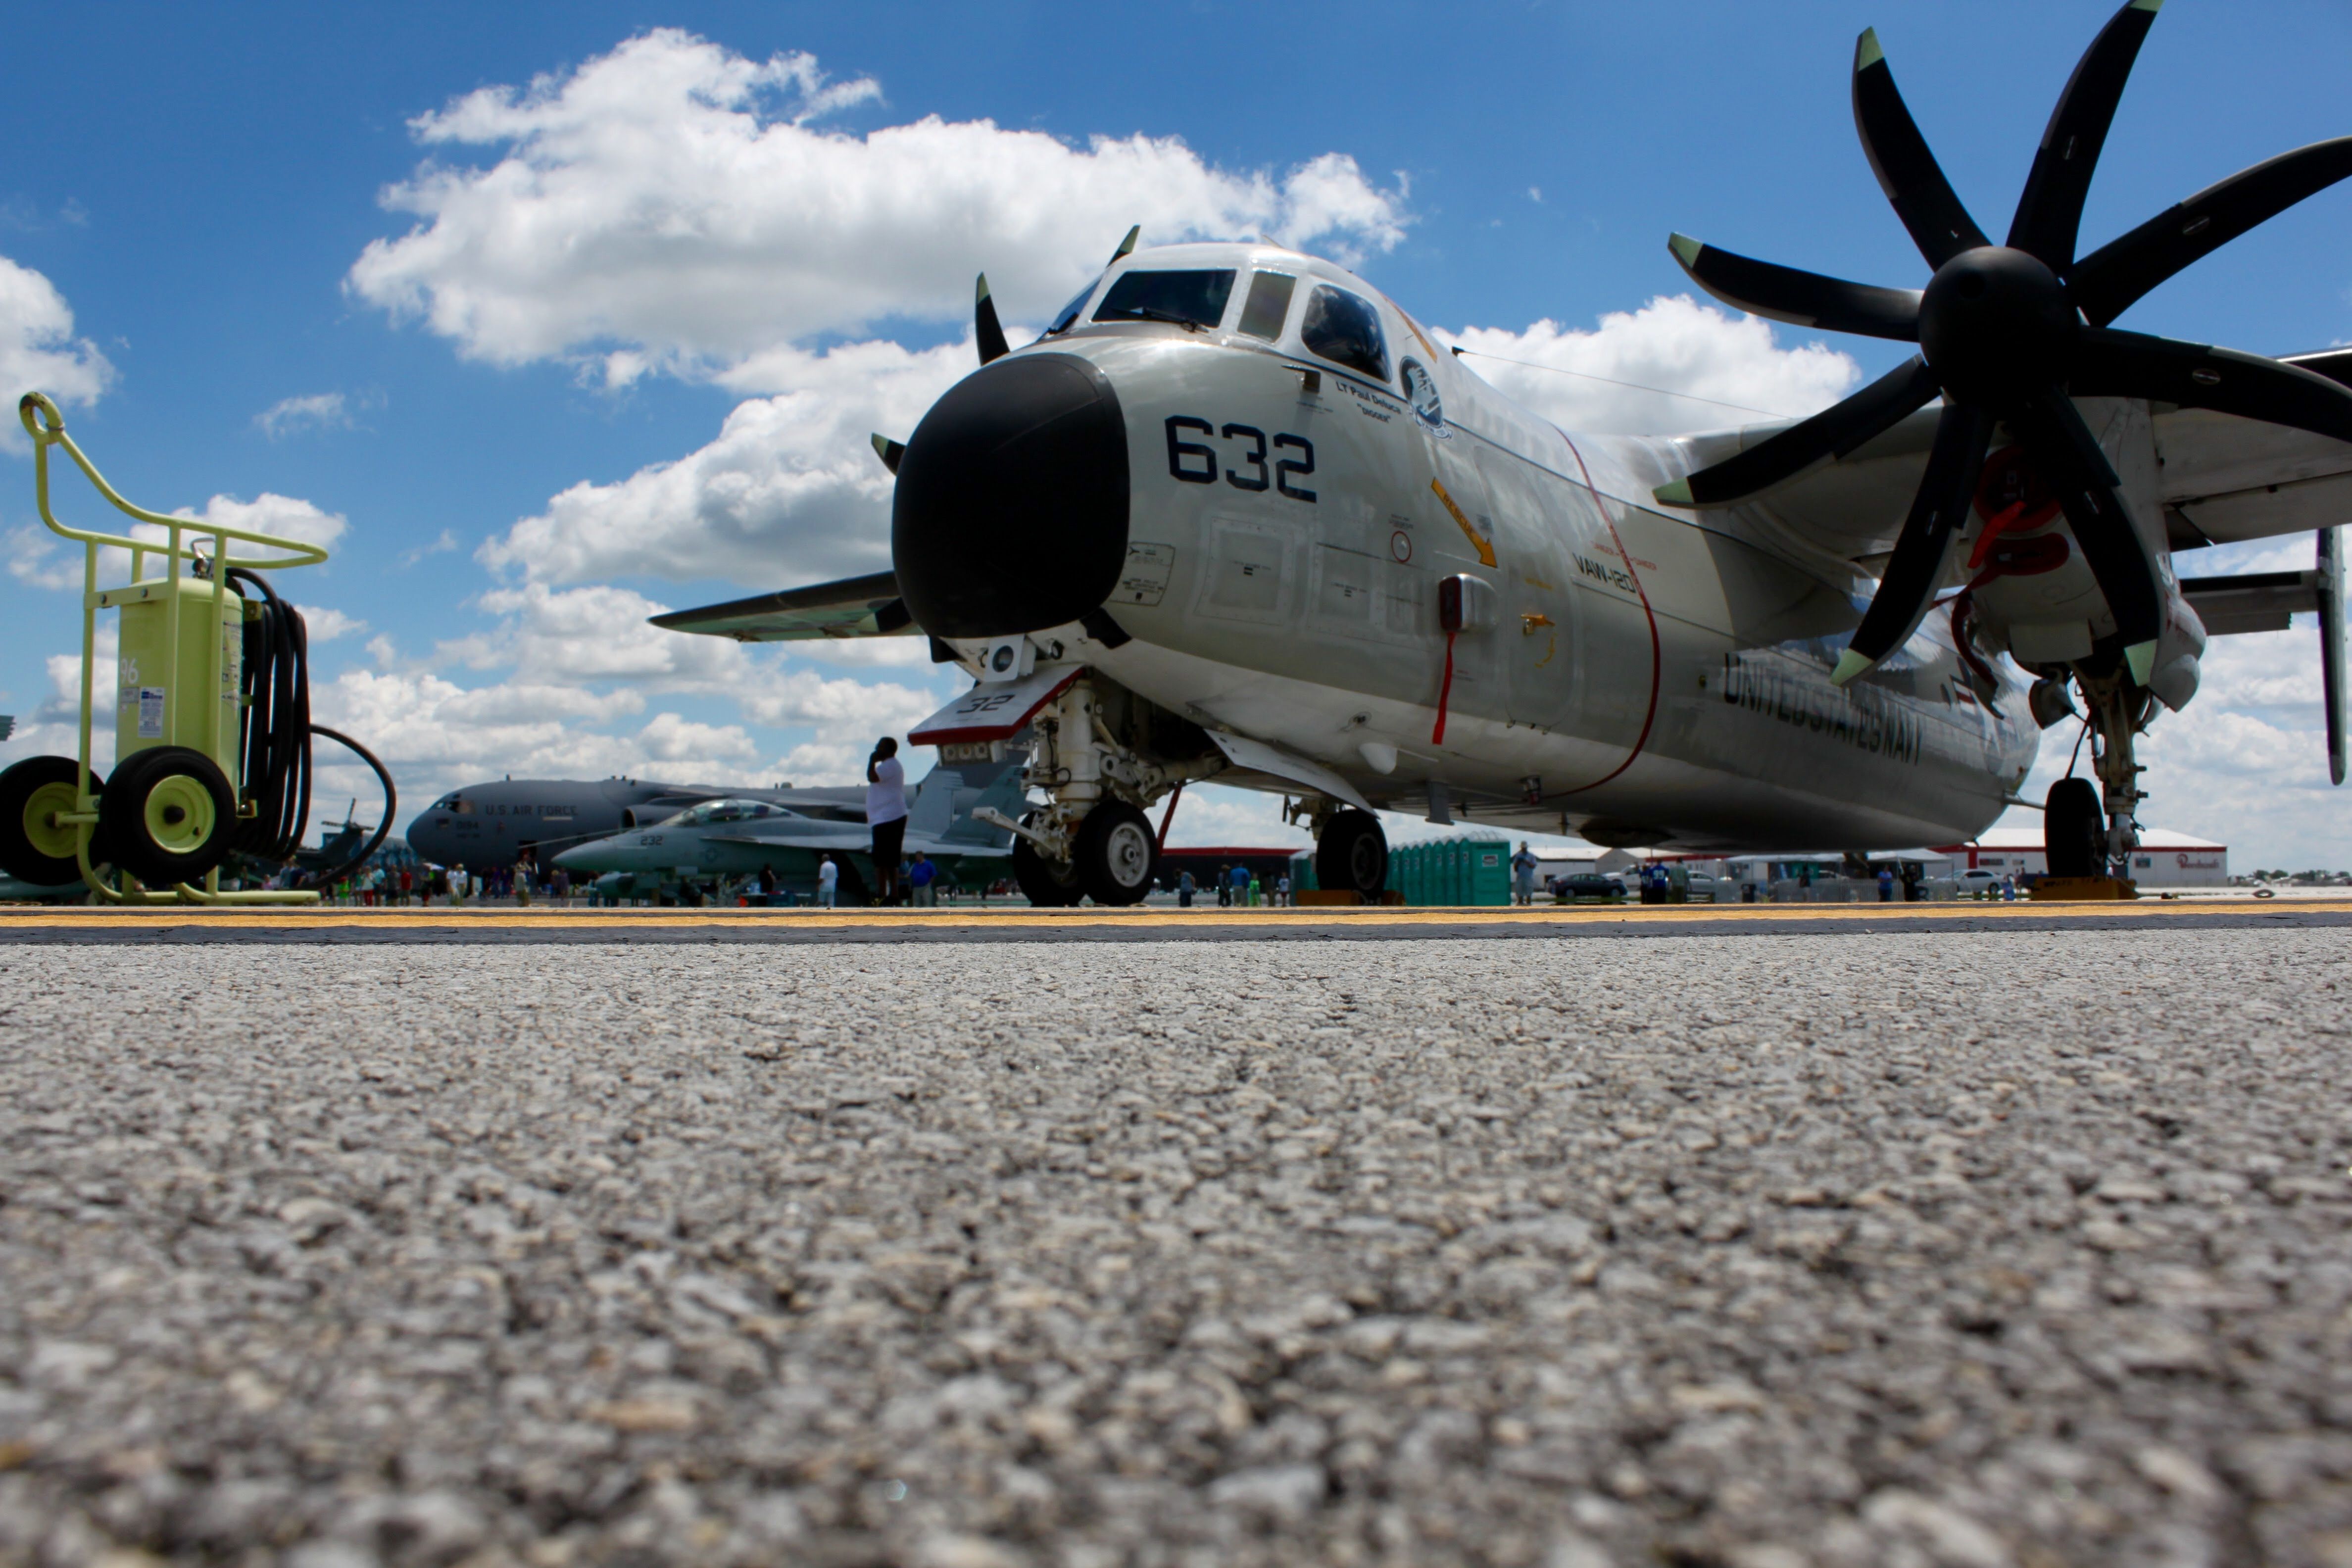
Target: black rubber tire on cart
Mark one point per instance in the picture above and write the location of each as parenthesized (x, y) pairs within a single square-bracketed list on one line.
[(1353, 853), (32, 848), (168, 816), (1046, 884), (2074, 830), (1117, 855)]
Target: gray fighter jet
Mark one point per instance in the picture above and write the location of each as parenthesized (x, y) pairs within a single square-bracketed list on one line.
[(739, 837)]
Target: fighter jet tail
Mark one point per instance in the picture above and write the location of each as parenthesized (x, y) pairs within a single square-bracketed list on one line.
[(1007, 794), (932, 811)]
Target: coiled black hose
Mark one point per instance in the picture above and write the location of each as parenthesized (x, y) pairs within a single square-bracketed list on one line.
[(274, 736)]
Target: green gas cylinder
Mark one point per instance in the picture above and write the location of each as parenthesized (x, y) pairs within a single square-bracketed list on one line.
[(190, 701)]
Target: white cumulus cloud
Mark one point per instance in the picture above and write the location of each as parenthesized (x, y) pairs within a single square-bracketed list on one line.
[(1592, 380), (38, 351), (319, 411), (672, 204), (789, 492)]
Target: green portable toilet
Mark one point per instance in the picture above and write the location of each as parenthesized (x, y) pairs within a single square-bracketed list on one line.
[(1457, 872), (1490, 873)]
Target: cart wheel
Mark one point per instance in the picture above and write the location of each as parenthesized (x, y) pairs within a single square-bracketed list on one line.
[(168, 814), (32, 848)]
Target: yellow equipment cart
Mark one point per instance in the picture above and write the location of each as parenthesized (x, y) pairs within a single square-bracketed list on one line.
[(184, 791)]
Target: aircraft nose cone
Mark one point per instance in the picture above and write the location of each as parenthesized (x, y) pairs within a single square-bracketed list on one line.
[(570, 859), (1011, 512)]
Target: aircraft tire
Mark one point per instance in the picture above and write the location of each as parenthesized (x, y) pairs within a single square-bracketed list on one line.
[(31, 848), (1353, 853), (2074, 830), (1047, 884), (1118, 854), (168, 814)]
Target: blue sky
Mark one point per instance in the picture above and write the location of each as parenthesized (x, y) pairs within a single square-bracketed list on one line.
[(200, 186)]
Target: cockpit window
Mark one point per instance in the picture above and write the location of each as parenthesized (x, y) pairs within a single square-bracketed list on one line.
[(1194, 299), (1068, 313), (1268, 305), (1344, 329), (716, 811)]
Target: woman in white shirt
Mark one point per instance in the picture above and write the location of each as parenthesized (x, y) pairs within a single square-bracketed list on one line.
[(885, 814)]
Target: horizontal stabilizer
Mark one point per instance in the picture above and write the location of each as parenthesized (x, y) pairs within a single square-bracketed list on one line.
[(866, 607), (2252, 601)]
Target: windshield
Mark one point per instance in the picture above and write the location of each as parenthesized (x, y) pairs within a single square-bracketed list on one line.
[(1268, 305), (1068, 313), (1185, 298), (1344, 329)]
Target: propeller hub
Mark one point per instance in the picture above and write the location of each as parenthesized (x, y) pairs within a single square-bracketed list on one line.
[(1996, 325)]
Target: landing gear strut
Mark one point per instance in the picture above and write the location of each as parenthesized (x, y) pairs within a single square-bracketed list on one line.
[(2087, 838)]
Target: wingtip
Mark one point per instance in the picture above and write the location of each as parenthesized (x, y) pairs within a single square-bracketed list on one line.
[(2141, 657), (1866, 52), (1686, 249), (1678, 493), (1849, 664)]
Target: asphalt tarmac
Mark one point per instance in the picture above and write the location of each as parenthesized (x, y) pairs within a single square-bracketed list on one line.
[(1019, 923), (1840, 1236)]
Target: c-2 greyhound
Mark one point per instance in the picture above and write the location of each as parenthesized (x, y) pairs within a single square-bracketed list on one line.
[(1235, 514)]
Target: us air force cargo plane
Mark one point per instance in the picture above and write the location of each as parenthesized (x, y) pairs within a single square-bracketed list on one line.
[(1235, 515), (741, 838)]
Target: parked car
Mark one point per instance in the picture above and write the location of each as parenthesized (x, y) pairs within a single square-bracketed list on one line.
[(1706, 887), (1591, 889)]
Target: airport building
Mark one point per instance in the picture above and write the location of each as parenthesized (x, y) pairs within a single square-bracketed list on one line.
[(2164, 858)]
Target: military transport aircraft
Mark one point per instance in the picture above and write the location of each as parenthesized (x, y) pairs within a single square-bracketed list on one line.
[(1236, 515), (741, 836)]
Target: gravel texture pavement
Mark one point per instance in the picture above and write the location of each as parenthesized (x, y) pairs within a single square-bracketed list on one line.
[(1946, 1251)]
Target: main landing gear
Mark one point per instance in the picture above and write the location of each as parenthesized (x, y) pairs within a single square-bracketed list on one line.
[(2087, 832), (1352, 854)]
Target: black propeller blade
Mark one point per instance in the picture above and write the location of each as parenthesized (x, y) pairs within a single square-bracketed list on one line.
[(889, 451), (1803, 298), (2003, 338), (1941, 505), (2051, 210), (986, 328), (1832, 433), (2106, 282), (2166, 369), (2078, 474), (1908, 171)]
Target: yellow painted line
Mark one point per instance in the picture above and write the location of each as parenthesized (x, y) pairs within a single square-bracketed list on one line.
[(1014, 916)]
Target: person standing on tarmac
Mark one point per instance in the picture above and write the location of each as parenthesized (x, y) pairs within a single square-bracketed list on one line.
[(1523, 875), (828, 877), (885, 814)]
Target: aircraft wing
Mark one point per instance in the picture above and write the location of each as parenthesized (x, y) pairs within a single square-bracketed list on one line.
[(2225, 478), (866, 607)]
